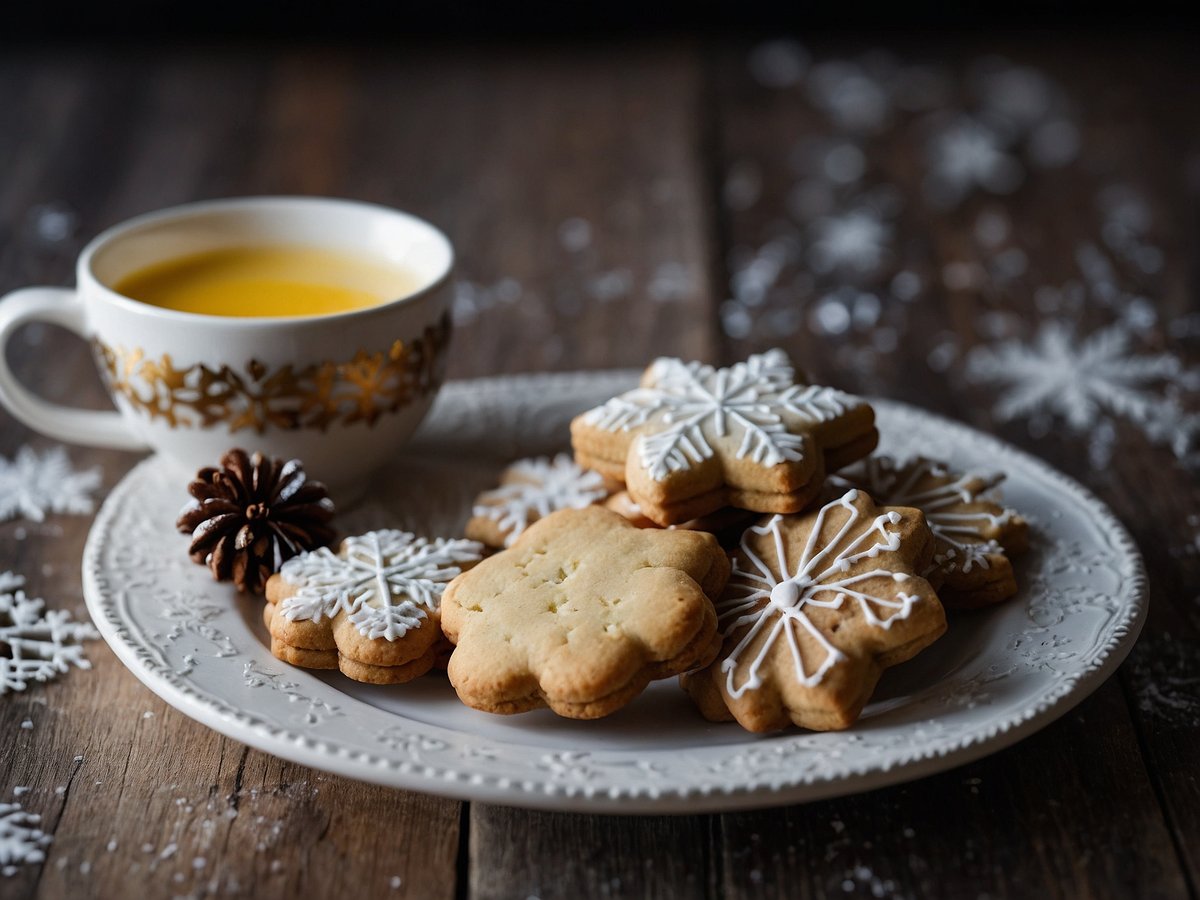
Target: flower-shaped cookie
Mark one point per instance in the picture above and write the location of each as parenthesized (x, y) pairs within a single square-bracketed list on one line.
[(818, 605), (693, 439), (581, 613), (371, 610), (974, 534), (531, 489)]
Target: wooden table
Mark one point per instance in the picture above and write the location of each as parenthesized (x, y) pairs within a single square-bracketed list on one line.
[(613, 202)]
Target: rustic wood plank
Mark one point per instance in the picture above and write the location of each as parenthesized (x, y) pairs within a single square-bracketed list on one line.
[(516, 853), (769, 138), (569, 180), (974, 831), (221, 819)]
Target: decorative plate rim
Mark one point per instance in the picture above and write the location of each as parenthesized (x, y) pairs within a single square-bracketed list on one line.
[(763, 787)]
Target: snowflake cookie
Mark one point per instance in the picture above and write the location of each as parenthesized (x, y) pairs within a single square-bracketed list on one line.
[(36, 644), (693, 439), (371, 610), (531, 489), (581, 613), (818, 605), (974, 535)]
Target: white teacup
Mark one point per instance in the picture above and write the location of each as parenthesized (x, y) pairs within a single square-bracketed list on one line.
[(342, 391)]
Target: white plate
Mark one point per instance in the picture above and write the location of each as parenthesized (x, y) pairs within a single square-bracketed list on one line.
[(996, 677)]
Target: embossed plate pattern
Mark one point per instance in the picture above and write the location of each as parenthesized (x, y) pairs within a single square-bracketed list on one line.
[(996, 677)]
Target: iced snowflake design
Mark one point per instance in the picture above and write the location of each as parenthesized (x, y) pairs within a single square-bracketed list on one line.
[(683, 405), (385, 581), (33, 484), (775, 599), (36, 644), (21, 841), (535, 488), (1080, 379), (961, 533)]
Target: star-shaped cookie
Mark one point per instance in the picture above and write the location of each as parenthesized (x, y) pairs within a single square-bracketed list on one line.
[(974, 534), (581, 613), (726, 524), (372, 609), (818, 605), (693, 439)]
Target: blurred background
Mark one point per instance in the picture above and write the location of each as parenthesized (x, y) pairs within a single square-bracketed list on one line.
[(993, 217)]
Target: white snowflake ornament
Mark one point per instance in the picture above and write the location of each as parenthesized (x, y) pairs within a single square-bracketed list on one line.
[(33, 484), (694, 438), (21, 841), (1082, 380), (973, 532), (817, 606), (36, 644), (373, 609), (531, 489), (855, 241)]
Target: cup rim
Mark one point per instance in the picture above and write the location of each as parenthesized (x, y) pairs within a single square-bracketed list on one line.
[(85, 274)]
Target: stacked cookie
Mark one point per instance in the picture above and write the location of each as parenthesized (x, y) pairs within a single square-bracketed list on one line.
[(611, 570)]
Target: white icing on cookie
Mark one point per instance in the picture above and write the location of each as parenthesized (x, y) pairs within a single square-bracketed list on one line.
[(384, 580), (963, 541), (543, 486), (687, 404), (818, 579)]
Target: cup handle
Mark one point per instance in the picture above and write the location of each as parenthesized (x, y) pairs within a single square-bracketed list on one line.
[(59, 306)]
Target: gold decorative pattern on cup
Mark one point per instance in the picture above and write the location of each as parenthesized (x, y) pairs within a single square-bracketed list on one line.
[(259, 397)]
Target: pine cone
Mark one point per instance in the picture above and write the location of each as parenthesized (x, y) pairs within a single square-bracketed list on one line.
[(251, 514)]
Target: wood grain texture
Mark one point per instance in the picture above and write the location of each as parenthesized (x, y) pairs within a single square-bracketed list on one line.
[(1016, 824), (571, 182), (602, 197), (517, 853)]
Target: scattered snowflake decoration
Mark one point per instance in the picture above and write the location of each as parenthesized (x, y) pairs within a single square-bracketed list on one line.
[(36, 644), (534, 488), (33, 484), (21, 841), (778, 63), (386, 581), (1081, 379), (686, 403), (775, 598), (471, 299), (966, 155), (850, 94), (854, 241), (1018, 95)]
